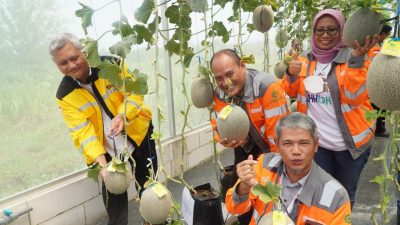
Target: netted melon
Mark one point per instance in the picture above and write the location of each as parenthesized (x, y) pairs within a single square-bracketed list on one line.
[(280, 69), (201, 92), (281, 38), (293, 107), (117, 182), (235, 126), (263, 18), (197, 5), (153, 208), (383, 82), (268, 219), (361, 23)]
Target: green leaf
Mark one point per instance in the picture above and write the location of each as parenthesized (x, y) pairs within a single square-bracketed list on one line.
[(123, 48), (204, 72), (137, 84), (188, 57), (92, 52), (152, 26), (142, 33), (268, 192), (172, 47), (110, 72), (378, 179), (142, 14), (86, 14), (249, 59), (250, 27), (155, 136), (118, 166), (373, 114), (122, 27), (220, 30), (93, 172), (221, 3), (172, 13)]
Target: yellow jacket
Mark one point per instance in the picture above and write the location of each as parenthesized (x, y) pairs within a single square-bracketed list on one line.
[(82, 114)]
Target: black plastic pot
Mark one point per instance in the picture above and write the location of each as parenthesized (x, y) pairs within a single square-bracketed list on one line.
[(207, 206)]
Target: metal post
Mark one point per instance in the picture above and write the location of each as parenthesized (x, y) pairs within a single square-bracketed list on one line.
[(168, 75)]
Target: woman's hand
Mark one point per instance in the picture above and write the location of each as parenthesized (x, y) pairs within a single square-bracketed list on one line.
[(295, 65), (362, 50)]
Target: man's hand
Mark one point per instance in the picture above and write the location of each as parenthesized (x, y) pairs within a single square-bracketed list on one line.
[(362, 50), (232, 144), (247, 175), (101, 159), (295, 65), (117, 125)]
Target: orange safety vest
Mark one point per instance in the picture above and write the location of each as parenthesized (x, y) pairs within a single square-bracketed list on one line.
[(347, 84), (323, 200), (265, 104)]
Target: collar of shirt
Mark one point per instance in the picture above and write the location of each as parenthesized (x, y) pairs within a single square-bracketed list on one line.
[(80, 83), (288, 183)]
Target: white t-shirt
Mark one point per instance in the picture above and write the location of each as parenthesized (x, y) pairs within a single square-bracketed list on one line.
[(108, 142), (321, 110)]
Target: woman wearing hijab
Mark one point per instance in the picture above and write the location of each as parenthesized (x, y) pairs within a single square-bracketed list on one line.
[(330, 87)]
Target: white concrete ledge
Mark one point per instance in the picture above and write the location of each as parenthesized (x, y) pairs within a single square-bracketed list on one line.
[(75, 199)]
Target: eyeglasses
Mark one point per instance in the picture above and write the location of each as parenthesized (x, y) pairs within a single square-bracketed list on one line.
[(329, 31)]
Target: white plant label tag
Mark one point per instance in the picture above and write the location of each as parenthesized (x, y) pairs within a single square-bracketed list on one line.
[(314, 84), (187, 206)]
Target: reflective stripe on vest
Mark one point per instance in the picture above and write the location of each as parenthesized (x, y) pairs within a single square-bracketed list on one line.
[(275, 111), (361, 136), (135, 104), (87, 140), (347, 108), (301, 99), (353, 96), (328, 193), (256, 110), (78, 127), (87, 105), (108, 93)]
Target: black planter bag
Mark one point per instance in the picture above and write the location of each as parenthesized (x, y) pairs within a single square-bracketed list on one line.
[(207, 211), (226, 177)]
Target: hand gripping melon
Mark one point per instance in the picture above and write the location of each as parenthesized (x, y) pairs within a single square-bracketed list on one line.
[(361, 23), (117, 182), (201, 92), (155, 209), (268, 219), (281, 38), (383, 82), (263, 18), (197, 5), (235, 126), (280, 69)]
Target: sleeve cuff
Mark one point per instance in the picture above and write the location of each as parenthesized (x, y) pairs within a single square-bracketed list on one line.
[(291, 79), (237, 198), (356, 62)]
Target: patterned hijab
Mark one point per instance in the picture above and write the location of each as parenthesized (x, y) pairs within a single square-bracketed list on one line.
[(326, 56)]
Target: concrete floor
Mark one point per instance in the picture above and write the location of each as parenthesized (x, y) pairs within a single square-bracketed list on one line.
[(367, 194)]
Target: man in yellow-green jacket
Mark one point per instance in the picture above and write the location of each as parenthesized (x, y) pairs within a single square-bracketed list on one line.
[(93, 110)]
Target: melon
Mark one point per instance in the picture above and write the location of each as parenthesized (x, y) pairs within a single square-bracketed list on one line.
[(267, 219), (155, 209), (383, 82), (117, 182), (197, 5), (263, 18), (235, 126), (201, 92), (280, 69), (361, 23), (293, 107), (281, 38)]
